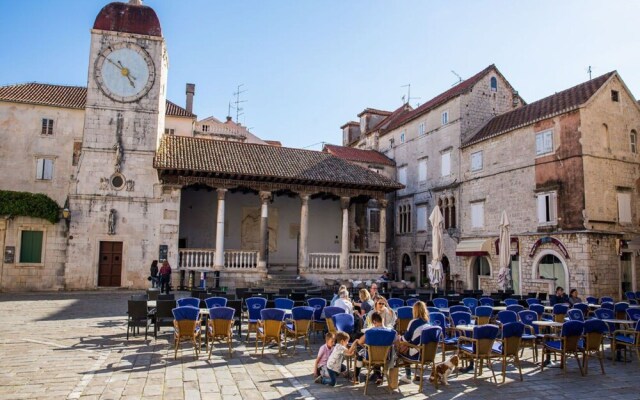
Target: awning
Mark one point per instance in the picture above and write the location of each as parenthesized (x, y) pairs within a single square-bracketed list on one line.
[(633, 244), (474, 247)]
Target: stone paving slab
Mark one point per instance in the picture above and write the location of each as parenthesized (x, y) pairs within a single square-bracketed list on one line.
[(72, 345)]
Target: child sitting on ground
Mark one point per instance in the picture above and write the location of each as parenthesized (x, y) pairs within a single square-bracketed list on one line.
[(334, 364), (320, 367)]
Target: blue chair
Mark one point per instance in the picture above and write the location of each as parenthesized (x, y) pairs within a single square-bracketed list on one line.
[(460, 318), (633, 314), (479, 347), (575, 315), (516, 308), (395, 303), (299, 327), (558, 314), (318, 305), (433, 309), (405, 315), (510, 302), (188, 301), (582, 307), (329, 312), (530, 302), (627, 338), (532, 335), (284, 304), (591, 300), (607, 305), (411, 301), (605, 313), (567, 344), (507, 316), (594, 333), (538, 309), (424, 353), (441, 303), (620, 310), (344, 322), (487, 301), (459, 308), (186, 324), (606, 299), (472, 303), (509, 346), (449, 339), (483, 314), (269, 328), (377, 344), (212, 302), (631, 297), (254, 306), (220, 325)]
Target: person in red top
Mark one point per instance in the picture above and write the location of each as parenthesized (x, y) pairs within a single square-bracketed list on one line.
[(165, 277)]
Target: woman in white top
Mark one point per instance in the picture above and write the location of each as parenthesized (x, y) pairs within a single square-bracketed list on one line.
[(388, 315), (344, 302)]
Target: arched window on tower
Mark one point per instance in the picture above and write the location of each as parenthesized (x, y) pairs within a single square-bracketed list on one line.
[(452, 211), (494, 84), (445, 211)]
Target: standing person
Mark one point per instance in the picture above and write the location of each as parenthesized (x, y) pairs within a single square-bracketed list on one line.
[(573, 297), (165, 277), (155, 280)]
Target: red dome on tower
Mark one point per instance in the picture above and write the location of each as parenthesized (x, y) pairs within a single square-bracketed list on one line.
[(130, 18)]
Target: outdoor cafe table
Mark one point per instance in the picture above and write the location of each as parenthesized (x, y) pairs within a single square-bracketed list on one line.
[(620, 321), (499, 308), (548, 324), (465, 327), (594, 305)]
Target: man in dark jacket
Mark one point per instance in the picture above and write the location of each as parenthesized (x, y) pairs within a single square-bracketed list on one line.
[(559, 298), (165, 277), (155, 281)]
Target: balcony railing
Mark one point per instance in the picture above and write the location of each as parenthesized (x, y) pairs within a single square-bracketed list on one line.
[(240, 259), (204, 259), (324, 261), (363, 261)]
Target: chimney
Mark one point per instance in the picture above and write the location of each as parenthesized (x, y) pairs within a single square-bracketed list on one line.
[(191, 90)]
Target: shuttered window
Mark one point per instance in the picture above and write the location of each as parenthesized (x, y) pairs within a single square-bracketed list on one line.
[(44, 169), (544, 142), (445, 164), (477, 215), (547, 208), (624, 208), (31, 247), (422, 170)]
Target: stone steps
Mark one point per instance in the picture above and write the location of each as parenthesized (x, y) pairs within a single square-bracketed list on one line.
[(280, 280)]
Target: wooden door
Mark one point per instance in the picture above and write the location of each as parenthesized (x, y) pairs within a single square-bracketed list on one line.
[(110, 264)]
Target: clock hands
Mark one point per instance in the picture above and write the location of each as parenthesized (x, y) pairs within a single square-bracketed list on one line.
[(124, 71)]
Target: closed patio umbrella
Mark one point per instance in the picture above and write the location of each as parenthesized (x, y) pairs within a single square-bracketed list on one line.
[(437, 250), (504, 276)]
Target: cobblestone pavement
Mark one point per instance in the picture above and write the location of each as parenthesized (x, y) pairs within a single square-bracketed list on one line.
[(73, 345)]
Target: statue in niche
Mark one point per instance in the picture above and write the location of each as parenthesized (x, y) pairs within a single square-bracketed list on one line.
[(104, 182), (111, 222), (130, 185), (119, 153)]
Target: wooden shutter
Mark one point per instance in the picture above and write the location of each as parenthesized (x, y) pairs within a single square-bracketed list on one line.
[(624, 207), (31, 247)]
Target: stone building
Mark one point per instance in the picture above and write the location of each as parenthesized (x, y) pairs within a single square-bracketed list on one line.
[(566, 169), (424, 143), (141, 181)]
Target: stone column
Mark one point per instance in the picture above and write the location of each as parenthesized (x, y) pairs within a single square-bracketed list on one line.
[(219, 261), (303, 254), (382, 249), (264, 229), (344, 253)]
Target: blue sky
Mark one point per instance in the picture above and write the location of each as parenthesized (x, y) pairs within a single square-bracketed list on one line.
[(310, 66)]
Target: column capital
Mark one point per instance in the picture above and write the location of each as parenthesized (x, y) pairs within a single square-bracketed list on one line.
[(345, 202), (382, 203), (221, 193), (265, 196), (304, 197)]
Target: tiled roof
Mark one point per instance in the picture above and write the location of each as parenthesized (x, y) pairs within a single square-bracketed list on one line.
[(63, 96), (442, 98), (273, 143), (350, 123), (351, 154), (248, 161), (559, 103), (396, 115), (374, 111)]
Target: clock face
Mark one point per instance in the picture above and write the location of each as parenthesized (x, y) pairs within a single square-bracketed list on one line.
[(124, 72)]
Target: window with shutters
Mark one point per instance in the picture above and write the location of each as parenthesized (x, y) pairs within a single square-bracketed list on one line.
[(421, 218), (31, 247), (445, 164), (624, 208), (169, 131), (544, 142), (374, 220), (445, 117), (476, 161), (47, 127), (44, 169), (402, 175), (494, 84), (477, 215), (422, 170), (547, 208), (634, 141), (421, 129), (404, 218), (402, 136)]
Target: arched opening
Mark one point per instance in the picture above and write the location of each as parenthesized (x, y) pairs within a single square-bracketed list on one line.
[(633, 137), (494, 84), (550, 266), (407, 272), (479, 267)]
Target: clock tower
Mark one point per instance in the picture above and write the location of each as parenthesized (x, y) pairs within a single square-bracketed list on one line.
[(116, 199)]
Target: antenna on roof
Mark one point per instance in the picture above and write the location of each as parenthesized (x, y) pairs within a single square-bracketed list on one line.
[(589, 72), (408, 98), (459, 77), (239, 110)]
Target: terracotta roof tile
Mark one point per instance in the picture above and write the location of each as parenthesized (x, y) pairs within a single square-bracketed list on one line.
[(442, 98), (255, 161), (559, 103), (63, 96), (374, 111), (273, 143), (396, 115), (351, 154)]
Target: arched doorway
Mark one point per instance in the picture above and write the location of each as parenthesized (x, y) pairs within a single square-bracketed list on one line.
[(479, 267), (407, 272), (550, 266)]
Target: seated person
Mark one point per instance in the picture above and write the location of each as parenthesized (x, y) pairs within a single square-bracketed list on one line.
[(573, 297), (559, 298), (366, 304), (376, 321), (337, 295), (373, 291), (386, 313), (320, 367), (344, 302), (414, 330)]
